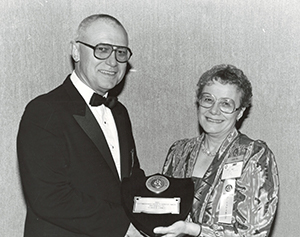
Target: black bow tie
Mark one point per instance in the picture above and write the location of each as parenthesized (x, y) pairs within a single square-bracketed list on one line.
[(98, 100)]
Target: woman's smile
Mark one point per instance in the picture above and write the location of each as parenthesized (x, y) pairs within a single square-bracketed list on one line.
[(214, 120)]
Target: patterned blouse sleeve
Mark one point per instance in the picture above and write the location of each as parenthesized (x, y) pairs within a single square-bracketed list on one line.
[(170, 161)]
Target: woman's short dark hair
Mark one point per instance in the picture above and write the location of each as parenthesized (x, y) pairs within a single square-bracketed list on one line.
[(227, 74)]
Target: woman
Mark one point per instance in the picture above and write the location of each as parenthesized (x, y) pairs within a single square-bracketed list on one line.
[(235, 177)]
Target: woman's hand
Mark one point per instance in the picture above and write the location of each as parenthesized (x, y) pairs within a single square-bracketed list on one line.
[(178, 229)]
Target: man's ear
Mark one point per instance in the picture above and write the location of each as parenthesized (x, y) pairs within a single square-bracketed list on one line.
[(75, 51), (241, 113)]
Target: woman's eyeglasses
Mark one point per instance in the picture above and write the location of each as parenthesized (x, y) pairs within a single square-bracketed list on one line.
[(226, 105)]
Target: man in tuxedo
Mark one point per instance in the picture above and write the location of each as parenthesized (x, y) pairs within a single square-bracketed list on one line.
[(75, 143)]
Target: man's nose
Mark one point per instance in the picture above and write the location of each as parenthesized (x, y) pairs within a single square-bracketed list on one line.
[(111, 60)]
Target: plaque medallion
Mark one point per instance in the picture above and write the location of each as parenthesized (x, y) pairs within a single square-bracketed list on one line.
[(157, 184)]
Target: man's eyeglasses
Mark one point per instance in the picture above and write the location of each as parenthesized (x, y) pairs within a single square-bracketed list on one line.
[(226, 105), (103, 51)]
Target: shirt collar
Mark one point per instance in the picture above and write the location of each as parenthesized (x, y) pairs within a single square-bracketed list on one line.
[(85, 91)]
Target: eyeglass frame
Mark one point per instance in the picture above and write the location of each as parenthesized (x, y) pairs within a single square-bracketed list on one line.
[(114, 48), (216, 100)]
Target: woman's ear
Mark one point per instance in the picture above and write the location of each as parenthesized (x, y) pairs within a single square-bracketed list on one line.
[(240, 115), (75, 51)]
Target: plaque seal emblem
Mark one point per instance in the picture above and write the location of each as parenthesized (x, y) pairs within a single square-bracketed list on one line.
[(157, 183)]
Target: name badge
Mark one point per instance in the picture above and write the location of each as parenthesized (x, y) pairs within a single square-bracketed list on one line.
[(233, 168), (226, 201)]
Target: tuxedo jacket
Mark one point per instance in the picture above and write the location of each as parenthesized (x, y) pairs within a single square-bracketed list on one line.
[(70, 182)]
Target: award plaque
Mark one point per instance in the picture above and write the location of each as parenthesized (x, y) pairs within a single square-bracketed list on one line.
[(156, 200)]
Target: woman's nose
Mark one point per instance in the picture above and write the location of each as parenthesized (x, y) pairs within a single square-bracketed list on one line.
[(215, 108)]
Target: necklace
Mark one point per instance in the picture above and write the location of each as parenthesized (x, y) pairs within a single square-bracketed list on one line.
[(206, 151)]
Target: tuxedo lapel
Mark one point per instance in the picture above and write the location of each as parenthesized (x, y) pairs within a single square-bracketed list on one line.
[(89, 124), (86, 120)]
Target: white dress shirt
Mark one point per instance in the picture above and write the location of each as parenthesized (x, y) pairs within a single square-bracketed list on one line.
[(104, 118)]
